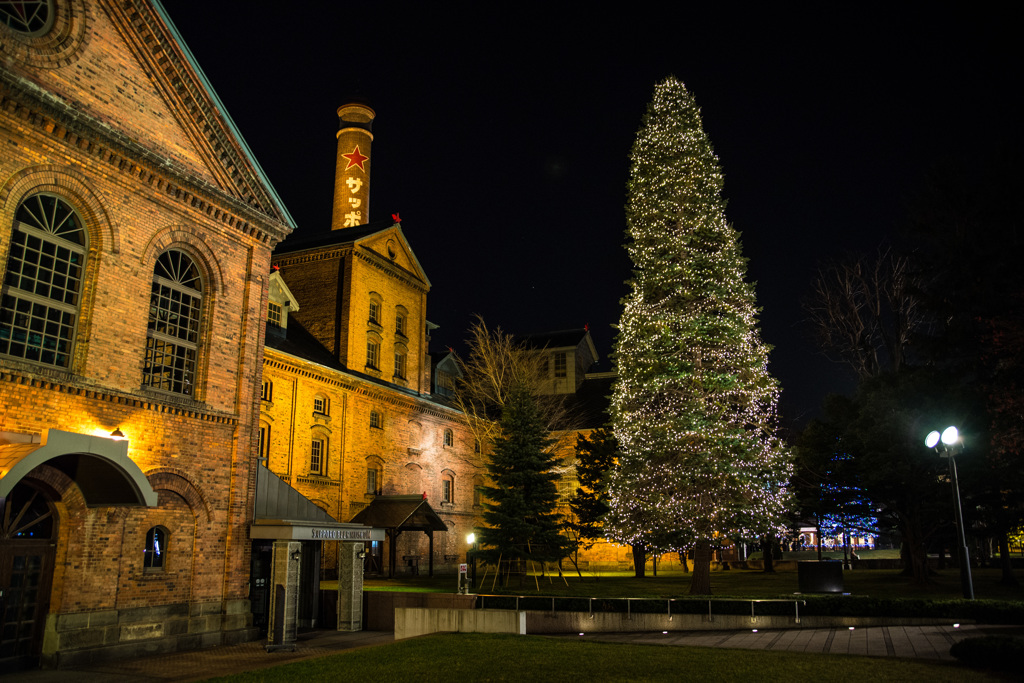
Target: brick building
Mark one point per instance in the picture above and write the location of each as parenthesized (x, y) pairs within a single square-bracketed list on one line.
[(135, 240), (349, 412)]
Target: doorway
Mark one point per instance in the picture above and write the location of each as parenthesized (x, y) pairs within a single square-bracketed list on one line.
[(27, 547)]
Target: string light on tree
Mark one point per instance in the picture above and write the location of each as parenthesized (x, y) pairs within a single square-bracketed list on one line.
[(694, 408)]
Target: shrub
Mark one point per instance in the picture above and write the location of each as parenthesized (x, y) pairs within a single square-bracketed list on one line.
[(997, 653)]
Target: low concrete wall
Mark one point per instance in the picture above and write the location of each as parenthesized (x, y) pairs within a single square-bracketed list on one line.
[(606, 622), (418, 621), (379, 606)]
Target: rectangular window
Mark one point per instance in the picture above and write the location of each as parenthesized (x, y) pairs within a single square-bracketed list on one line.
[(268, 391), (446, 491), (374, 312), (372, 354), (560, 365), (399, 365), (274, 313), (376, 421), (321, 405), (400, 324), (445, 383), (371, 481), (264, 443), (316, 457)]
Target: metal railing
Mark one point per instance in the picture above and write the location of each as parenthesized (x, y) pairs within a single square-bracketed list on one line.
[(482, 604)]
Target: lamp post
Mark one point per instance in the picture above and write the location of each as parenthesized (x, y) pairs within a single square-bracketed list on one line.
[(471, 558), (946, 445)]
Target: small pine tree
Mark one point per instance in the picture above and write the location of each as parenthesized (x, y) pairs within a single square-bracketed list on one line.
[(520, 517), (694, 405)]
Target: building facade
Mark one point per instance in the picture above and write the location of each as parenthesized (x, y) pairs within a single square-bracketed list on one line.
[(135, 240)]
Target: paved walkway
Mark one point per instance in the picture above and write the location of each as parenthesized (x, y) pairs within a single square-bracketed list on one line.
[(922, 642), (913, 642)]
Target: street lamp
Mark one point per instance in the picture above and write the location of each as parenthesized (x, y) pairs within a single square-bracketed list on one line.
[(471, 558), (946, 445)]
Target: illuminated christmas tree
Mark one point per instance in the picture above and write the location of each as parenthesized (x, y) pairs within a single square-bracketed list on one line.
[(694, 406)]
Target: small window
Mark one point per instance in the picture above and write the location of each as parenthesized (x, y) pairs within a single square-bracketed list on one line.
[(401, 321), (322, 405), (376, 421), (317, 463), (263, 445), (274, 313), (560, 365), (446, 490), (373, 481), (449, 438), (400, 358), (156, 549), (445, 383), (374, 309), (372, 354), (268, 391)]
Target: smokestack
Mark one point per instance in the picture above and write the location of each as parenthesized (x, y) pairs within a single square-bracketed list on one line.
[(352, 175)]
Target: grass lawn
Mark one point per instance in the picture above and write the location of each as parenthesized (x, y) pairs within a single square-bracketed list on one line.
[(880, 583), (488, 657)]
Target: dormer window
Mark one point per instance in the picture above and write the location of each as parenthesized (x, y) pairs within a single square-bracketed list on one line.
[(560, 364), (274, 313)]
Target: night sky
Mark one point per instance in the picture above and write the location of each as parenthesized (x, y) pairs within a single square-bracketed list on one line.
[(503, 138)]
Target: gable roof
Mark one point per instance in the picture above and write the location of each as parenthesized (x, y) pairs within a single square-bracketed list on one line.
[(363, 238), (411, 513), (126, 90)]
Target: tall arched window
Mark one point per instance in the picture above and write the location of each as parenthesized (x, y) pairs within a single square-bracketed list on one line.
[(43, 281), (172, 343)]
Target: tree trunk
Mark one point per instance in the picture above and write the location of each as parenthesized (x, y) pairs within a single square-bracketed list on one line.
[(768, 553), (682, 560), (640, 560), (700, 584), (1004, 561), (818, 528)]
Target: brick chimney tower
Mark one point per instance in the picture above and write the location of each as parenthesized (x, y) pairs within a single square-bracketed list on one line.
[(352, 176)]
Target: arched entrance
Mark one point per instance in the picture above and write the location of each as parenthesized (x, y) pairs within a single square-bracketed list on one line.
[(28, 531)]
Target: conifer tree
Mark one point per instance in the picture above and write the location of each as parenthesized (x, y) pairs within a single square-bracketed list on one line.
[(694, 405), (520, 517)]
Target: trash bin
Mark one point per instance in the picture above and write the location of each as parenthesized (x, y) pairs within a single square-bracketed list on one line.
[(825, 576)]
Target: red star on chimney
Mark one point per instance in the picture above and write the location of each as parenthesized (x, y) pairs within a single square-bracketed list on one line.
[(356, 158)]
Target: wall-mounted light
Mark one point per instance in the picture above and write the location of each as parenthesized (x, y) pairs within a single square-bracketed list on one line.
[(117, 434), (296, 555), (361, 555)]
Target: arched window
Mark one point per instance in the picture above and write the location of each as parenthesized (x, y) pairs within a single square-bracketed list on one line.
[(401, 321), (374, 476), (447, 487), (33, 17), (155, 553), (43, 281), (375, 308), (449, 438), (401, 356), (373, 351), (172, 343)]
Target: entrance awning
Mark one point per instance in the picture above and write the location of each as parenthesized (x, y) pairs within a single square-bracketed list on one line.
[(282, 513), (99, 466), (396, 514)]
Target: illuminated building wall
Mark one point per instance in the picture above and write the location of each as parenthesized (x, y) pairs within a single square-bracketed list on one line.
[(135, 241)]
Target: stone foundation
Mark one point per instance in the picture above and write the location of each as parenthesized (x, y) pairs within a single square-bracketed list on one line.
[(83, 638)]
